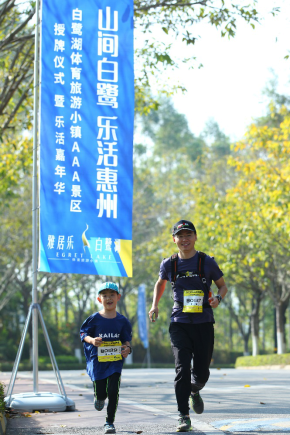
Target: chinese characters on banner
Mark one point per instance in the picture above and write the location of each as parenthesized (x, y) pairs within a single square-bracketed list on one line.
[(86, 137)]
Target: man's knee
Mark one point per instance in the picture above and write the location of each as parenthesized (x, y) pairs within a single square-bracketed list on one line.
[(197, 386)]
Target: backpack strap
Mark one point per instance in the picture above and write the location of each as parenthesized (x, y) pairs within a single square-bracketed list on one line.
[(173, 262), (201, 260)]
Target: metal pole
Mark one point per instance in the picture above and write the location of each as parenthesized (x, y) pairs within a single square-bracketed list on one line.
[(39, 400), (18, 358), (35, 207), (52, 357)]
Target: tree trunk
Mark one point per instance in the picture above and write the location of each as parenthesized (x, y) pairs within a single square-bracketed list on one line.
[(280, 314), (230, 331), (255, 345), (246, 345), (65, 303), (255, 322), (281, 308), (264, 328), (289, 325)]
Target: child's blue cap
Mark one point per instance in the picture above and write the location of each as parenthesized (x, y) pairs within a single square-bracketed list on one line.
[(109, 285)]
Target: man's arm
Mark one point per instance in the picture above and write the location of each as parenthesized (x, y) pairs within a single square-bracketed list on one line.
[(222, 291), (158, 292)]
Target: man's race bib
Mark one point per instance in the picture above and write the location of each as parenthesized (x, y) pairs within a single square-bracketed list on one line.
[(193, 301), (110, 351)]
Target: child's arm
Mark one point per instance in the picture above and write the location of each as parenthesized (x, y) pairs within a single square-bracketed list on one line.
[(126, 349), (94, 341)]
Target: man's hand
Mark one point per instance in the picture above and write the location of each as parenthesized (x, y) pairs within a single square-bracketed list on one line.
[(154, 310), (213, 301)]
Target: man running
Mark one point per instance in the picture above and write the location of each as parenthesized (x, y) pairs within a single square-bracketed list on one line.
[(191, 329)]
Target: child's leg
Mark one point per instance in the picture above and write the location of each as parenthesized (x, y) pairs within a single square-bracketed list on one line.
[(113, 385), (100, 389)]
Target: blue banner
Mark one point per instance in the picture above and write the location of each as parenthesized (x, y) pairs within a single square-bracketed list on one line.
[(86, 137), (142, 315)]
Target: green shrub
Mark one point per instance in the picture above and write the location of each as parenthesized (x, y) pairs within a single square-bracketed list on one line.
[(224, 357), (8, 366), (64, 362), (263, 360), (60, 359), (2, 395)]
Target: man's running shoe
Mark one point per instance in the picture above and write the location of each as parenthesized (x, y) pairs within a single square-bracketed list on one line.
[(184, 423), (109, 428), (99, 404), (196, 403)]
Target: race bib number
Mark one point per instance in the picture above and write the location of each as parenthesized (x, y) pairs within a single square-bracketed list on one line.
[(193, 301), (110, 351)]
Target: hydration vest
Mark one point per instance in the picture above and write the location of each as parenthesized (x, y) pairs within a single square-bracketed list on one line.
[(175, 275)]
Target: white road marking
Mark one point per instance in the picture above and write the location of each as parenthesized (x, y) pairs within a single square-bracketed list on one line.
[(253, 424)]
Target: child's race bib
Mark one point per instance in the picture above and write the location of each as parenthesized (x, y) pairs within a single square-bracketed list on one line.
[(193, 301), (110, 351)]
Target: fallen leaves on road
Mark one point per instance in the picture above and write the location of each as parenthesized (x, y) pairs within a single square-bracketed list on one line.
[(80, 394), (139, 431), (262, 403), (63, 425), (247, 386), (10, 413)]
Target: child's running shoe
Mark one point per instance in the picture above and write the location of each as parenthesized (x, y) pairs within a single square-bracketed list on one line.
[(184, 423), (109, 428), (99, 404), (196, 403)]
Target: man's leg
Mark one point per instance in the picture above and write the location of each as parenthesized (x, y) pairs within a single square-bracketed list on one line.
[(113, 385), (202, 335), (182, 351)]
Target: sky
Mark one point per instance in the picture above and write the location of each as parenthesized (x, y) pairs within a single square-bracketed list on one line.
[(229, 87)]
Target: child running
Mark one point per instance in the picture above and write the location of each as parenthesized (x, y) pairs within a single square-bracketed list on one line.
[(106, 337)]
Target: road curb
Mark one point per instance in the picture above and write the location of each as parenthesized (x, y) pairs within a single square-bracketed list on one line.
[(3, 424)]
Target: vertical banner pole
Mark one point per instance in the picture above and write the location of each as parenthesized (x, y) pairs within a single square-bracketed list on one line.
[(36, 401), (35, 207)]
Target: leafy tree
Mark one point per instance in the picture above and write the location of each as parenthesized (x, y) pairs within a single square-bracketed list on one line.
[(261, 199), (16, 60), (220, 144), (177, 19), (174, 18), (15, 166), (171, 135)]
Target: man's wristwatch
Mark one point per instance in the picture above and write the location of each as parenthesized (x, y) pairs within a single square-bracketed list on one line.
[(130, 349), (219, 298)]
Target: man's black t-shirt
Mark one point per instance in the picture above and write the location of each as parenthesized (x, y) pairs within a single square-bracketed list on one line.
[(212, 273)]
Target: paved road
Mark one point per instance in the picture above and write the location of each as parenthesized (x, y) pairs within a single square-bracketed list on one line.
[(236, 401)]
